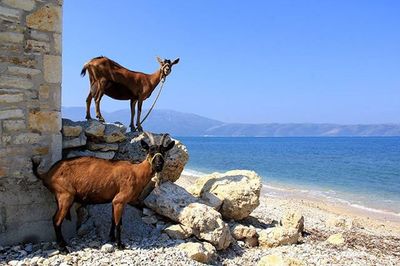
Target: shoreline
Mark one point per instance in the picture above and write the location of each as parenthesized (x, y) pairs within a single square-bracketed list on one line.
[(375, 219)]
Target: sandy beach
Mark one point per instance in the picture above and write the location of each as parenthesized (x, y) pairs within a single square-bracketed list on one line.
[(369, 238)]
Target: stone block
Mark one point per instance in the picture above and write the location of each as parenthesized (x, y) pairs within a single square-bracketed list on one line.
[(47, 18), (9, 114), (44, 91), (45, 121), (52, 68), (12, 37), (25, 71), (102, 146), (11, 98), (40, 36), (13, 125), (71, 131), (15, 82), (9, 14), (27, 138), (74, 142), (26, 5), (37, 46), (57, 43)]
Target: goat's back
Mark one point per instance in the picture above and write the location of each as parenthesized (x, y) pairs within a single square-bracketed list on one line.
[(89, 179)]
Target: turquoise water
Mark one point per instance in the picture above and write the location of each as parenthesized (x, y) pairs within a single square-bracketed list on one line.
[(364, 172)]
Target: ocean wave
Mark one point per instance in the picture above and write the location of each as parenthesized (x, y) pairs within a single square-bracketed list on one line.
[(191, 172), (332, 196)]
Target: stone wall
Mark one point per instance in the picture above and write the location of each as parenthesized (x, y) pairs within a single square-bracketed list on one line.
[(30, 115)]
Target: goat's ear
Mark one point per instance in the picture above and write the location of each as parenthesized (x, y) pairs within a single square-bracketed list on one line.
[(144, 145), (169, 146), (160, 60), (176, 61)]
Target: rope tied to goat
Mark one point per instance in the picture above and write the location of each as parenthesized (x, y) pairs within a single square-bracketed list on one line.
[(155, 100)]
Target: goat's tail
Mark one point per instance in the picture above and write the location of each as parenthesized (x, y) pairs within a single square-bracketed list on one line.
[(83, 72), (35, 166)]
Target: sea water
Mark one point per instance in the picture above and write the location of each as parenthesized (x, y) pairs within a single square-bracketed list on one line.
[(361, 171)]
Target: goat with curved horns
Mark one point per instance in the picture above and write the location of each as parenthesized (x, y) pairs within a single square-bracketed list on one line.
[(90, 180), (109, 78)]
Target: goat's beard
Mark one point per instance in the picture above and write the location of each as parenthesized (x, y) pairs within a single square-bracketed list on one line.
[(156, 179)]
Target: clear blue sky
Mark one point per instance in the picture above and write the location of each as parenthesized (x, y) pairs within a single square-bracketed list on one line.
[(247, 61)]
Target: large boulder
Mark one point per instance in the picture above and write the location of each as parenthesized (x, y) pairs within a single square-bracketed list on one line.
[(131, 150), (177, 204), (239, 191)]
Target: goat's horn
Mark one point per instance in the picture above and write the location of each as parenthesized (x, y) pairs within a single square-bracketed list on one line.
[(163, 139), (150, 136)]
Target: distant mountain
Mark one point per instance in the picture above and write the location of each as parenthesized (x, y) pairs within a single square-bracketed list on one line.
[(185, 124)]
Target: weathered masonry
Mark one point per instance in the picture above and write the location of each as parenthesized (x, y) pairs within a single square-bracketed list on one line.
[(30, 115)]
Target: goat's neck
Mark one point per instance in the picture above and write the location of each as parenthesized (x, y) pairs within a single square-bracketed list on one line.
[(155, 78), (147, 172)]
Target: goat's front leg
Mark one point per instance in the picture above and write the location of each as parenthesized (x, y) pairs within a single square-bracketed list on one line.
[(118, 207), (138, 124), (112, 229), (133, 104)]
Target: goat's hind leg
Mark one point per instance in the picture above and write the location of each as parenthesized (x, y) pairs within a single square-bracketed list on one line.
[(88, 102), (64, 203), (97, 97), (118, 207)]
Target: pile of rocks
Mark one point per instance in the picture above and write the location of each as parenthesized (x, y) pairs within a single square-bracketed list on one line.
[(206, 216)]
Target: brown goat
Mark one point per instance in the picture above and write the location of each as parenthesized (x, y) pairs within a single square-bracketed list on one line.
[(109, 78), (90, 180)]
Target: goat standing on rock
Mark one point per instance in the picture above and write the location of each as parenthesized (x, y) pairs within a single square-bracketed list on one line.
[(109, 78), (90, 180)]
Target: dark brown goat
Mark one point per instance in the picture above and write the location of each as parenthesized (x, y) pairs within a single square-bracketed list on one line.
[(89, 180), (109, 78)]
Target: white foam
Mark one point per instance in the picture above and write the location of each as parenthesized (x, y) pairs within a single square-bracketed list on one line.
[(190, 172)]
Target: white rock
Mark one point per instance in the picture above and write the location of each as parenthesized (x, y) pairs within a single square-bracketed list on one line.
[(278, 260), (178, 231), (278, 236), (201, 252), (107, 248), (293, 219), (239, 191), (336, 239), (177, 204)]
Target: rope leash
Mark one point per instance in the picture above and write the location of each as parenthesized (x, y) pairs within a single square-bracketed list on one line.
[(155, 100)]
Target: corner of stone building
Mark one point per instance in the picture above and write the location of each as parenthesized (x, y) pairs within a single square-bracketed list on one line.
[(30, 115)]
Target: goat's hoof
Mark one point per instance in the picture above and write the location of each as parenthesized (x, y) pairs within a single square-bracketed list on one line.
[(101, 119), (88, 118), (63, 250), (140, 129), (120, 246)]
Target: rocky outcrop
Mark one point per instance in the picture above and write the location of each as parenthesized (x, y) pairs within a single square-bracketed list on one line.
[(238, 190), (180, 206), (110, 141), (177, 158)]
